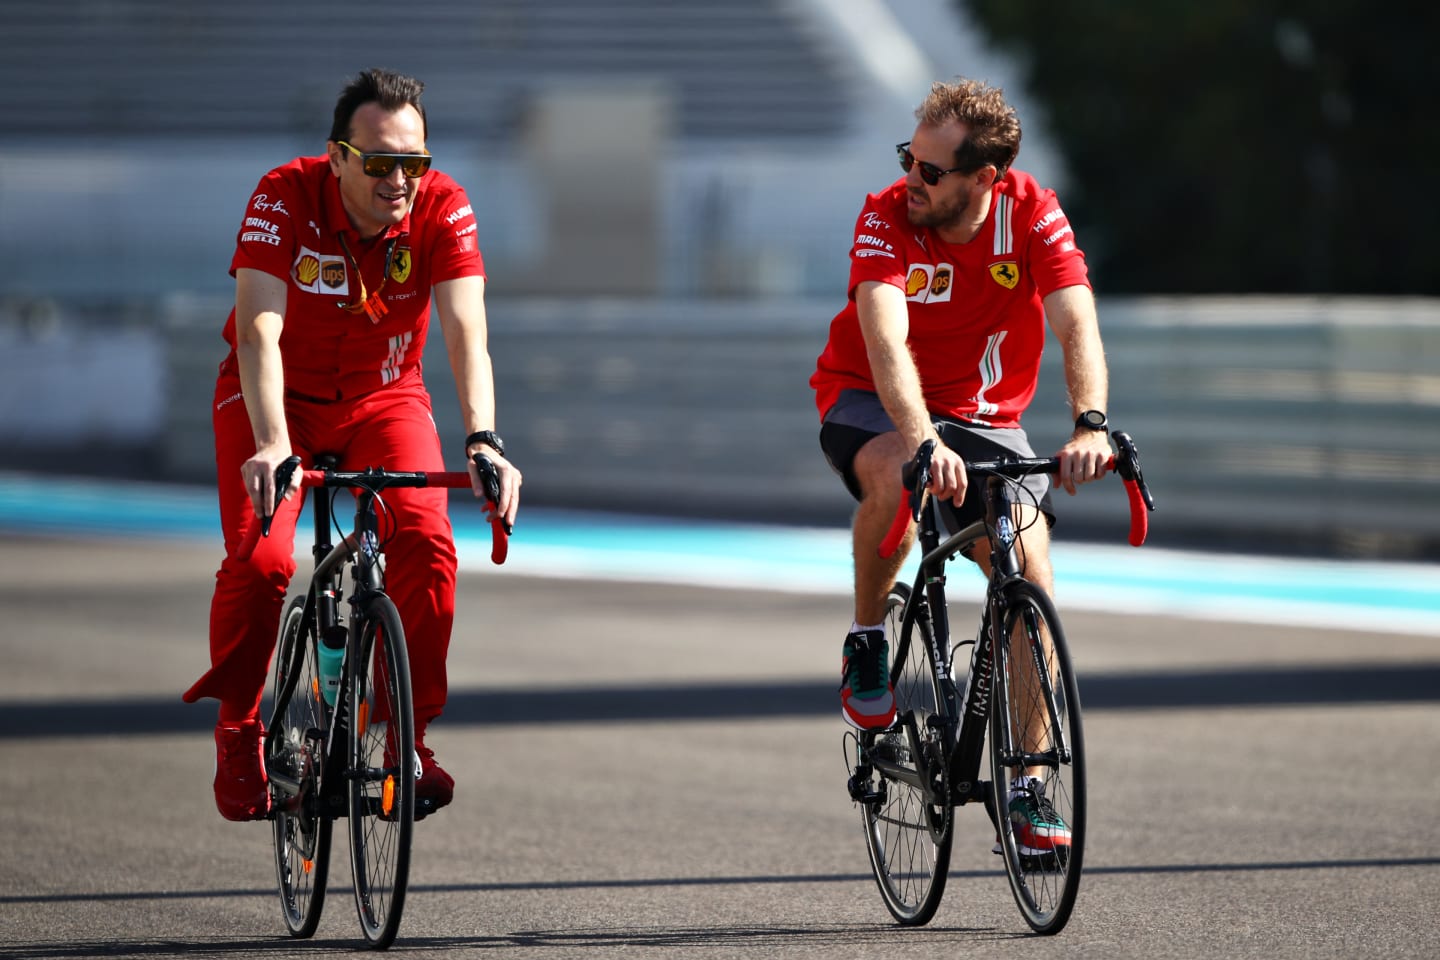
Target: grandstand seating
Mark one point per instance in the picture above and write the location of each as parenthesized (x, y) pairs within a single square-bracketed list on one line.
[(738, 69)]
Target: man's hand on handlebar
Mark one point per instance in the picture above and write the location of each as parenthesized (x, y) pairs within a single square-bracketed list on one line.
[(500, 487), (258, 474), (947, 475), (1085, 457)]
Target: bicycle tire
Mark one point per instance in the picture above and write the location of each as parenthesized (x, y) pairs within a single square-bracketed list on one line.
[(1045, 873), (907, 838), (302, 835), (383, 771)]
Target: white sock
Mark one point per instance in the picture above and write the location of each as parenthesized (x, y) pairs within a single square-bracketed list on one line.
[(1023, 784), (857, 628)]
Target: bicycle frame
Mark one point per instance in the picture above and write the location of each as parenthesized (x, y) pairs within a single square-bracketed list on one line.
[(322, 600), (322, 613), (1022, 713), (927, 612)]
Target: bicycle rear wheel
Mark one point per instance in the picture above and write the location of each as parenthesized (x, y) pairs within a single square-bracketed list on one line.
[(296, 755), (1037, 757), (383, 771), (908, 836)]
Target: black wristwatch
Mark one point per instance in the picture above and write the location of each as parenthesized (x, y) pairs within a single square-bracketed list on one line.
[(1093, 420), (488, 437)]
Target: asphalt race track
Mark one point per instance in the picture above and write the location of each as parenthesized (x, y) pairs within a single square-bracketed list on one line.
[(656, 771)]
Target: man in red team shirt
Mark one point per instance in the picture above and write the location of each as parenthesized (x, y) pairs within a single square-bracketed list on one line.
[(954, 270), (336, 261)]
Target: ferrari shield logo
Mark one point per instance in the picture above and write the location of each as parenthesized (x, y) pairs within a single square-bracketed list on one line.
[(400, 265), (1006, 273)]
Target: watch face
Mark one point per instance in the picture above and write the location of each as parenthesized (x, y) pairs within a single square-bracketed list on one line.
[(489, 437), (1093, 419)]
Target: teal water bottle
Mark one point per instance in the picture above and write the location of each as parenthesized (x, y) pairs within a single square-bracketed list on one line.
[(330, 658)]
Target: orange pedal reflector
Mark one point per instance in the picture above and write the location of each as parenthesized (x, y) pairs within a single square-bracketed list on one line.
[(362, 717), (309, 865)]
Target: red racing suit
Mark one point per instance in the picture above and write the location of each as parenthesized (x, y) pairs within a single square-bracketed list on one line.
[(353, 388), (977, 325)]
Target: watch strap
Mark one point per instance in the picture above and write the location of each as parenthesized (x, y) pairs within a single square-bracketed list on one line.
[(488, 437)]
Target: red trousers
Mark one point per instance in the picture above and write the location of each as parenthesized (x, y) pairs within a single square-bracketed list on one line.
[(391, 428)]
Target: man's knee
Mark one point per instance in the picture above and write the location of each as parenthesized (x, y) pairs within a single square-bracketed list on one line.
[(877, 466), (1035, 554)]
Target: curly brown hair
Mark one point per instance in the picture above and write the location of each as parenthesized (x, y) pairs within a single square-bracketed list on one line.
[(993, 127)]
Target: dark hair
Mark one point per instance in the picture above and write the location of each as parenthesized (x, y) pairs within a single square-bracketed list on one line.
[(391, 90), (992, 126)]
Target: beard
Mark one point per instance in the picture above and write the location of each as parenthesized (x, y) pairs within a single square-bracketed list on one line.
[(937, 217)]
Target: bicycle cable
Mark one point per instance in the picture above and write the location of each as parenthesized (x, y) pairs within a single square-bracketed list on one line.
[(1023, 496)]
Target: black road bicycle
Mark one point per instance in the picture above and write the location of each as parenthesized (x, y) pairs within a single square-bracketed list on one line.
[(353, 757), (909, 777)]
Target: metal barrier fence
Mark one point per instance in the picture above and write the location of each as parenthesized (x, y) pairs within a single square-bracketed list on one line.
[(1294, 425)]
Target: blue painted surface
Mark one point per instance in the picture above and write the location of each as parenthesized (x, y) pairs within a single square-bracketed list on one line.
[(1379, 596)]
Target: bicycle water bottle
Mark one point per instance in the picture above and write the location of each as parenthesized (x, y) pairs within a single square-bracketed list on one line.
[(331, 651)]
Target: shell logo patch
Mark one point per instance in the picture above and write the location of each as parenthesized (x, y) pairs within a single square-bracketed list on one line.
[(307, 270), (917, 280), (1006, 273)]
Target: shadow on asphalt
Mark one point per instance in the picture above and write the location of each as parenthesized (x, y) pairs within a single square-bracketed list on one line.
[(1253, 687), (343, 890)]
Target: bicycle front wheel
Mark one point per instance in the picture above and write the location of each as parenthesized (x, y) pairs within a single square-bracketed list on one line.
[(1037, 759), (906, 814), (294, 759), (383, 771)]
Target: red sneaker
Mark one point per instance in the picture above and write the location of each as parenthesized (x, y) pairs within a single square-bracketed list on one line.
[(867, 699), (435, 788), (242, 791)]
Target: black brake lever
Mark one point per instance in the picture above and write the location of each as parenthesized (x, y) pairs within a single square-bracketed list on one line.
[(915, 476), (1127, 464), (490, 480), (283, 475)]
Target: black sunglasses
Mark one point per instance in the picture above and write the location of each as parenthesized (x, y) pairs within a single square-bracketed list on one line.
[(930, 173), (377, 165)]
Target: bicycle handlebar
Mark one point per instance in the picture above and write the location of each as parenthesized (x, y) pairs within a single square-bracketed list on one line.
[(376, 479), (915, 478)]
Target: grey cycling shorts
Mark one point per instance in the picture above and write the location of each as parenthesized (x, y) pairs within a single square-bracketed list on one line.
[(858, 416)]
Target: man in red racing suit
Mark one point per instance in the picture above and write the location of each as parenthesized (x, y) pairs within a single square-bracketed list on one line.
[(336, 261)]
